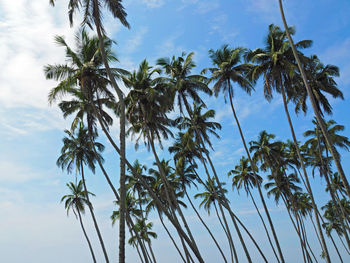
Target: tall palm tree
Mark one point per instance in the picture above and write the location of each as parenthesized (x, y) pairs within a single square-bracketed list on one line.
[(76, 153), (321, 81), (243, 177), (76, 202), (147, 106), (180, 81), (228, 70), (92, 15), (277, 65), (316, 112)]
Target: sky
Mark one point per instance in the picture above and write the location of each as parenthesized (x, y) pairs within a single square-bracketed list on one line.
[(33, 224)]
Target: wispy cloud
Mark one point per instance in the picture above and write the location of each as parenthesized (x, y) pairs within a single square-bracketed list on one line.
[(136, 41), (153, 3)]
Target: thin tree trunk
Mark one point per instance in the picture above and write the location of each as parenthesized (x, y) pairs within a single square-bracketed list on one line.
[(227, 232), (254, 169), (250, 236), (122, 136), (229, 209), (86, 236), (172, 239), (307, 241), (308, 187), (151, 250), (150, 191), (161, 171), (262, 220), (206, 227), (93, 216), (316, 112)]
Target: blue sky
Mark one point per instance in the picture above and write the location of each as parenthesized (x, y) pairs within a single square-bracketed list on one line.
[(33, 221)]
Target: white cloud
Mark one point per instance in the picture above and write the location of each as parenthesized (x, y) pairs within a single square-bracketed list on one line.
[(153, 3), (136, 41), (15, 173)]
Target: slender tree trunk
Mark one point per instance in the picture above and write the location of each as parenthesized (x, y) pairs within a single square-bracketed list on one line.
[(122, 135), (262, 220), (86, 236), (229, 209), (250, 236), (206, 227), (306, 239), (308, 187), (171, 237), (150, 191), (93, 215), (254, 168), (173, 197), (128, 218), (227, 231), (316, 112), (151, 250)]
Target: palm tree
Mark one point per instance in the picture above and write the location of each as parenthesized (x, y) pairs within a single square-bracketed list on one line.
[(180, 81), (76, 202), (243, 177), (76, 153), (143, 228), (92, 15), (147, 106), (316, 112), (276, 64), (228, 70), (321, 80)]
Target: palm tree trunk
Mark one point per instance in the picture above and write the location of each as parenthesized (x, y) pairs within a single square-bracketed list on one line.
[(306, 239), (86, 236), (262, 220), (93, 216), (230, 211), (122, 138), (128, 218), (136, 244), (254, 168), (250, 236), (227, 231), (308, 187), (172, 239), (151, 250), (206, 227), (316, 112), (161, 171), (149, 190)]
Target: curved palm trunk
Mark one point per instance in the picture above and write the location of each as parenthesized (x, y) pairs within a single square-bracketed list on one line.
[(205, 225), (86, 236), (306, 239), (230, 211), (308, 187), (254, 167), (227, 232), (173, 197), (128, 218), (316, 112), (150, 191), (263, 222), (250, 236), (171, 237), (93, 216), (122, 137), (151, 250)]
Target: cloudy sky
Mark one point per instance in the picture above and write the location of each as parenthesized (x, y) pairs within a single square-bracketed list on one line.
[(33, 224)]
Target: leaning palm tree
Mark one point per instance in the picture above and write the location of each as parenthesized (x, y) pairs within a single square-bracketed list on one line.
[(243, 177), (92, 15), (228, 70), (316, 112), (180, 81), (76, 153), (76, 202), (147, 107), (276, 63)]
